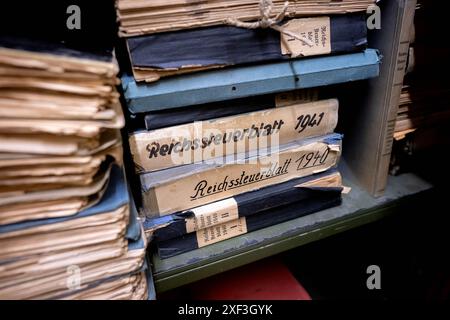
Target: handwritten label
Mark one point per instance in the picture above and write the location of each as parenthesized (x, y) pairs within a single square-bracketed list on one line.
[(317, 30), (221, 232), (212, 214)]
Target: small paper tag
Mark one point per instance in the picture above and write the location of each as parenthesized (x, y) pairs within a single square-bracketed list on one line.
[(212, 214), (331, 181), (221, 232), (317, 30)]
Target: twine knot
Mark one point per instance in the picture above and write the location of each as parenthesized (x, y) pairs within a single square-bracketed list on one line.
[(265, 21)]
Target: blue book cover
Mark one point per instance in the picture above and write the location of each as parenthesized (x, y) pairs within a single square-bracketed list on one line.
[(246, 81)]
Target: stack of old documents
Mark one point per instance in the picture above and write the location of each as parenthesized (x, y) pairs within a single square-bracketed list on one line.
[(65, 225), (150, 16)]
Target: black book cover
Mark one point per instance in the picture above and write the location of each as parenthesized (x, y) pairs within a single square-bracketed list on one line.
[(188, 242), (249, 203), (228, 45)]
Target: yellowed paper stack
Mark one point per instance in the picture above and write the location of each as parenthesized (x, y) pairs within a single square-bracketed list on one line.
[(65, 225), (59, 124), (152, 16)]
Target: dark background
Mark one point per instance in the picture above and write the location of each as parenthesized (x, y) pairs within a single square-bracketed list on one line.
[(45, 19)]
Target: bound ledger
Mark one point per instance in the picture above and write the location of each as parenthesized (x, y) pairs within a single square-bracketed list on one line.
[(165, 54), (204, 140), (243, 225), (242, 205)]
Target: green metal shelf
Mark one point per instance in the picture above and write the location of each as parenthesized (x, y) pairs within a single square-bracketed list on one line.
[(358, 208)]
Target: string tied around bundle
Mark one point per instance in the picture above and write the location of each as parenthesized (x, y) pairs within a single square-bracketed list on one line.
[(265, 21)]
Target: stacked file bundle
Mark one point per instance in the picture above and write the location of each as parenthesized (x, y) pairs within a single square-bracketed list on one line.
[(165, 38), (170, 53), (423, 113), (276, 164), (218, 154), (151, 16), (67, 226)]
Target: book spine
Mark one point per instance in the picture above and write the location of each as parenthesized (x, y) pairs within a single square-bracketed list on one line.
[(173, 117), (213, 183), (247, 204), (397, 71), (204, 140), (157, 56), (243, 225), (200, 14)]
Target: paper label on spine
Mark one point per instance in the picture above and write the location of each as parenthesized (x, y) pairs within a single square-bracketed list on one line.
[(214, 138), (221, 232), (330, 181), (317, 30), (212, 214)]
